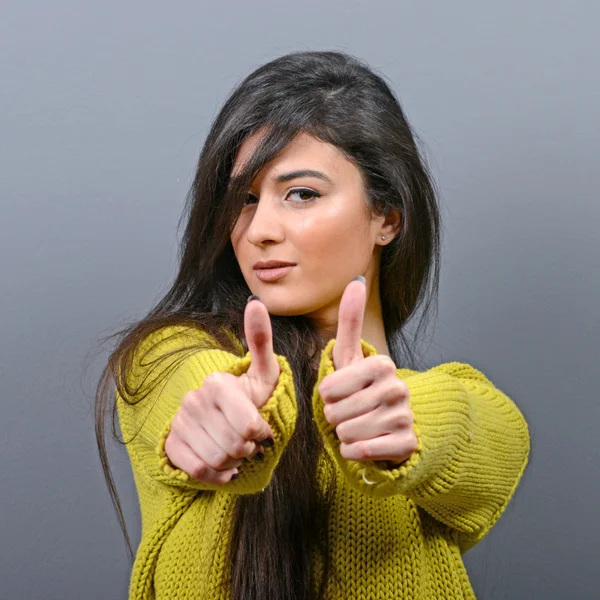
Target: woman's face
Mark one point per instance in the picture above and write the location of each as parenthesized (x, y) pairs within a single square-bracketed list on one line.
[(316, 221)]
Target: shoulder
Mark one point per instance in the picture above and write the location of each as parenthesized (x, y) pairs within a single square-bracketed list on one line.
[(177, 337), (455, 369), (463, 371), (173, 337), (162, 349)]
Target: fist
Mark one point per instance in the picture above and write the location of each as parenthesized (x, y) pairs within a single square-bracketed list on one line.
[(364, 399), (219, 424)]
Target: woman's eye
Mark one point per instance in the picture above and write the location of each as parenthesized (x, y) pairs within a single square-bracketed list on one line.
[(304, 195)]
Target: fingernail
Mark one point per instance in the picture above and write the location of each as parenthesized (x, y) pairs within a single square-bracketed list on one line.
[(268, 442), (253, 297), (234, 476), (360, 278), (259, 456)]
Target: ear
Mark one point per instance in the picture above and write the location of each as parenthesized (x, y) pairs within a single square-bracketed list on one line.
[(391, 225)]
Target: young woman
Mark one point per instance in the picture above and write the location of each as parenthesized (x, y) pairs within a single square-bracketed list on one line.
[(288, 447)]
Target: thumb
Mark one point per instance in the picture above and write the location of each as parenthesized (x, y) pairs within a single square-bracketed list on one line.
[(257, 328), (347, 347)]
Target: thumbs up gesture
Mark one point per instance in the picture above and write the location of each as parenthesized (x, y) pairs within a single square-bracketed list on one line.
[(218, 425), (364, 398), (259, 381)]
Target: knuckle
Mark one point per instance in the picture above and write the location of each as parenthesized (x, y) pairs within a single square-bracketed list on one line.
[(210, 380), (170, 445), (177, 422), (403, 387), (412, 441), (343, 434), (323, 390), (253, 426), (215, 380), (189, 398), (403, 421), (364, 451), (240, 449), (219, 460), (385, 363), (184, 424), (199, 470), (394, 393), (193, 401), (389, 395)]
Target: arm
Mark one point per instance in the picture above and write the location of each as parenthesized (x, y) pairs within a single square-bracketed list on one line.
[(145, 423), (473, 447)]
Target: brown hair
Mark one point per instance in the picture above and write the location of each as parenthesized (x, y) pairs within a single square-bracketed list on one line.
[(339, 100)]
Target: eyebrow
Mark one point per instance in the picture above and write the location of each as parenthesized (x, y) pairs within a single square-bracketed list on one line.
[(291, 175), (302, 173)]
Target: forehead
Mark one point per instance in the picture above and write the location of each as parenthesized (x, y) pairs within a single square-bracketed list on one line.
[(304, 150)]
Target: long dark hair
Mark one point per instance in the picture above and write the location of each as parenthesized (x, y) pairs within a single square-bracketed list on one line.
[(337, 99)]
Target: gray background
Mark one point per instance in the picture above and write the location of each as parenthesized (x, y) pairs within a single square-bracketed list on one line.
[(103, 109)]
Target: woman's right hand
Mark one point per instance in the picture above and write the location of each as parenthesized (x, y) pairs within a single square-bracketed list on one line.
[(218, 425)]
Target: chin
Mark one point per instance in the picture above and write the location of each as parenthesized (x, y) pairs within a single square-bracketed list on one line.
[(283, 311), (282, 307)]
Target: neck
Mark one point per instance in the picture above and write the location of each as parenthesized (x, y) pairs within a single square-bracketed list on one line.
[(373, 331)]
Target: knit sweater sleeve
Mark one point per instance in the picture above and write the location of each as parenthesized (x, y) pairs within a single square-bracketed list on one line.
[(146, 420), (473, 447)]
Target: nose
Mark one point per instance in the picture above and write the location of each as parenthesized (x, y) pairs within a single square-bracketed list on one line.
[(265, 225)]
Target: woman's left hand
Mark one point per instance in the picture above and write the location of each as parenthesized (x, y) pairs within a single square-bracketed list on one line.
[(364, 398)]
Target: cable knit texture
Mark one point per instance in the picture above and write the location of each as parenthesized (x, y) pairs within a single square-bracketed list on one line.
[(394, 532)]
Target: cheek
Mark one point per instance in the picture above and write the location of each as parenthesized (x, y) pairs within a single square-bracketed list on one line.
[(331, 240), (237, 242)]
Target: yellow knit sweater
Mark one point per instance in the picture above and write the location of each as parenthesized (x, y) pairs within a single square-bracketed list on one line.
[(399, 537)]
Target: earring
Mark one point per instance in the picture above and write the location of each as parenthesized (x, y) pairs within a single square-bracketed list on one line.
[(383, 237)]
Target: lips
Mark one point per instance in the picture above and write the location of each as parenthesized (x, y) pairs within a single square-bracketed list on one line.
[(271, 264), (274, 273)]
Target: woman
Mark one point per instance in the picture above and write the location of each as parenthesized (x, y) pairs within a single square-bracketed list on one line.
[(286, 448)]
